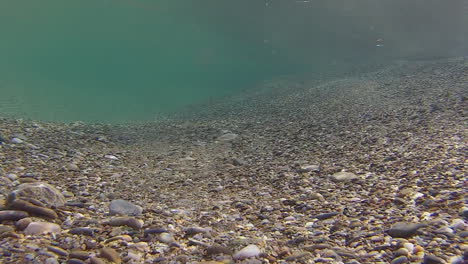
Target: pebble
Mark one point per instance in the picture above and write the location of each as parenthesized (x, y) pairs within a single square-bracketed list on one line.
[(23, 223), (40, 191), (72, 167), (309, 168), (196, 230), (12, 215), (96, 260), (404, 230), (166, 238), (111, 255), (51, 260), (247, 252), (343, 176), (400, 260), (79, 254), (126, 221), (39, 228), (32, 209), (217, 250), (123, 207), (430, 259), (75, 261), (58, 251), (83, 231), (325, 215), (16, 140)]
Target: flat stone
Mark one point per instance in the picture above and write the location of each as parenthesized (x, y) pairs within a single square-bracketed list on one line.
[(39, 228), (110, 254), (122, 207), (12, 215), (430, 259), (404, 230), (33, 209), (40, 191), (57, 250), (343, 176), (217, 250), (247, 252), (125, 221)]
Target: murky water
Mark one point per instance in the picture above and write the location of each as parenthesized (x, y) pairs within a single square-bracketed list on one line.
[(126, 60)]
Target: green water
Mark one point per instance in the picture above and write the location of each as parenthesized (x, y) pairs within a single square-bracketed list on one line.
[(127, 60)]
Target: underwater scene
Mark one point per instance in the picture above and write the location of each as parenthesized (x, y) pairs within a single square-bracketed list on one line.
[(219, 132)]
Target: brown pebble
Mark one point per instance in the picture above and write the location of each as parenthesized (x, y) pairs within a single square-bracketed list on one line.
[(23, 223), (125, 221), (96, 260), (111, 255), (217, 250), (58, 251), (12, 215), (182, 259), (79, 254), (33, 209), (297, 256), (75, 261)]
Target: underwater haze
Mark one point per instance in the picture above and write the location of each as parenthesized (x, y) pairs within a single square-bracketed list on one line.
[(130, 60)]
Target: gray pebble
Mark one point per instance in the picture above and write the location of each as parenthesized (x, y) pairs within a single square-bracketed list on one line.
[(404, 230), (122, 207)]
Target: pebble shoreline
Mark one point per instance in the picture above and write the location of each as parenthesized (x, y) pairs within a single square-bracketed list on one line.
[(367, 169)]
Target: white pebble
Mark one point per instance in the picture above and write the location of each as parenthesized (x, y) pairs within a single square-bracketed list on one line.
[(247, 252)]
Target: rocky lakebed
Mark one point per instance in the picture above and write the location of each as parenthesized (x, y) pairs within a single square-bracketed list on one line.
[(369, 168)]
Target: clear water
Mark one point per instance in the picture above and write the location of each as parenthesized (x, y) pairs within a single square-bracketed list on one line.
[(128, 60)]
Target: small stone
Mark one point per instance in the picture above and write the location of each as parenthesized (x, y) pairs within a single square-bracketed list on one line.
[(72, 167), (343, 176), (126, 221), (16, 140), (23, 223), (58, 251), (39, 228), (401, 252), (309, 168), (51, 260), (12, 176), (325, 215), (217, 250), (430, 259), (122, 207), (400, 260), (12, 215), (166, 238), (96, 260), (196, 230), (111, 157), (32, 209), (297, 256), (75, 261), (154, 231), (404, 230), (83, 231), (140, 246), (79, 254), (247, 252), (111, 255)]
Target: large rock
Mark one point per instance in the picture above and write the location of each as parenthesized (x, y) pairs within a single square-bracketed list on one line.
[(122, 207), (38, 228), (41, 191)]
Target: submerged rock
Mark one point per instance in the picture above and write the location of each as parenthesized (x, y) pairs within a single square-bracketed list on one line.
[(247, 252), (39, 228), (404, 230), (344, 176), (40, 191), (122, 207)]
